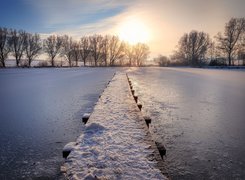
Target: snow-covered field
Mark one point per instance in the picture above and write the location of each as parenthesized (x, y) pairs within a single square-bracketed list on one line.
[(40, 111), (199, 115)]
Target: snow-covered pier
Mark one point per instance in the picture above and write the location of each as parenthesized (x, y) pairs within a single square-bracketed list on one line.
[(116, 143)]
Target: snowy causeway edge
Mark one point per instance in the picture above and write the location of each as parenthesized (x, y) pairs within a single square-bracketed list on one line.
[(116, 143)]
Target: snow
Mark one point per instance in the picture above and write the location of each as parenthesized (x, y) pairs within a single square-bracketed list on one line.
[(116, 143), (69, 146), (86, 115)]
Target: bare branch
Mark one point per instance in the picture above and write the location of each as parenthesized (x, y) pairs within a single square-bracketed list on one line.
[(33, 46), (5, 45), (53, 46), (18, 39)]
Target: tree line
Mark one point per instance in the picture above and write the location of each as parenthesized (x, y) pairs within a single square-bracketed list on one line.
[(197, 48), (94, 50)]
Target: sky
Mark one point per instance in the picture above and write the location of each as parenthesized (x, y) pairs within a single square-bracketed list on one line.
[(159, 23)]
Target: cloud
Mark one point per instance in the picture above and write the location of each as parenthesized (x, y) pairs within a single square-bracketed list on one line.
[(64, 14), (166, 19)]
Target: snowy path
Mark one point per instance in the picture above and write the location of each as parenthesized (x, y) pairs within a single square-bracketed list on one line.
[(116, 143)]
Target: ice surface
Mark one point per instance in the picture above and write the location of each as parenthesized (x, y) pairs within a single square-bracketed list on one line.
[(41, 111), (115, 143), (198, 114)]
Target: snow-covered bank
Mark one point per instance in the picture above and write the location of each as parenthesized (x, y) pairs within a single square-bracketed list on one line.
[(116, 143)]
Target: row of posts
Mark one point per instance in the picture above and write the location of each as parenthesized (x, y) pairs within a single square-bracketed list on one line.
[(161, 148)]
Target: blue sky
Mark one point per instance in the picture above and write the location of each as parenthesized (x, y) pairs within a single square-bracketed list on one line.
[(48, 16), (19, 14), (165, 20)]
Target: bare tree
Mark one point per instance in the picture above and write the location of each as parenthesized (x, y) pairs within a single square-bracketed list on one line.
[(33, 46), (212, 50), (241, 49), (141, 52), (84, 49), (96, 45), (53, 46), (194, 46), (67, 50), (105, 49), (177, 56), (76, 52), (129, 53), (116, 50), (18, 39), (228, 43), (5, 45)]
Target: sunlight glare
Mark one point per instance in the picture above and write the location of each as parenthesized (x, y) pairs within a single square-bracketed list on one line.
[(134, 31)]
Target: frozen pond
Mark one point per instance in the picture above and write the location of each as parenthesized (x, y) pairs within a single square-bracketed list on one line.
[(40, 111), (199, 115)]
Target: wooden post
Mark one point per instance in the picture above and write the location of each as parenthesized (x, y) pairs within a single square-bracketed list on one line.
[(68, 148), (147, 120), (132, 91), (161, 149), (136, 98), (139, 106), (85, 117)]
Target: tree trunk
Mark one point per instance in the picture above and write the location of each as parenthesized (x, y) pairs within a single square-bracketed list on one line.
[(17, 62), (70, 62), (29, 62), (229, 59), (52, 62), (3, 63)]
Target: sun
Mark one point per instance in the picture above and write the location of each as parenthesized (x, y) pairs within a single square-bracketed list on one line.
[(134, 31)]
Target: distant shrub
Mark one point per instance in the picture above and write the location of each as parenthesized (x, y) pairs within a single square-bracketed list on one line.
[(179, 63), (24, 63), (43, 64), (217, 62)]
